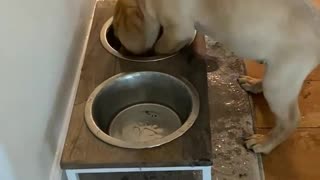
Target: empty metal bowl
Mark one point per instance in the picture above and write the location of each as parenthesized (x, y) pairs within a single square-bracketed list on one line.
[(113, 45), (141, 109)]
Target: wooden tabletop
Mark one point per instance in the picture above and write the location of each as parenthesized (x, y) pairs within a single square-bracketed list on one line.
[(83, 150)]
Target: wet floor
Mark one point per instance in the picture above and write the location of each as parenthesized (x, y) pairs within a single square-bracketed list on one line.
[(232, 118)]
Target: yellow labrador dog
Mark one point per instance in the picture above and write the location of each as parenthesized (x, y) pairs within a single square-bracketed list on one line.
[(281, 33)]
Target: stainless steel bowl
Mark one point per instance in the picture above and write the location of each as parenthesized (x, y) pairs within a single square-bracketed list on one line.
[(142, 109), (113, 45)]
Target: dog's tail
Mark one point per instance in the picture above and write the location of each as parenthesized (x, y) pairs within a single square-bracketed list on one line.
[(316, 4), (314, 7)]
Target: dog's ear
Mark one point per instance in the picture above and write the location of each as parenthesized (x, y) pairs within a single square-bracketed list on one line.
[(132, 26), (152, 25), (128, 15), (142, 6)]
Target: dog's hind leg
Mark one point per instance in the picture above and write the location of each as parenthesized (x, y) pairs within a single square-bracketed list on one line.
[(281, 86)]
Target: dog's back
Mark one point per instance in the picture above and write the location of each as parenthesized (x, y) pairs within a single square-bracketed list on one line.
[(258, 29)]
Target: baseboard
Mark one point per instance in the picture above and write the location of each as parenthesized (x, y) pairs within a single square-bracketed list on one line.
[(56, 173)]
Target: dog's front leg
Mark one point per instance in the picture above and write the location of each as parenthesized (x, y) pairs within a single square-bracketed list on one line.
[(250, 84), (281, 87), (174, 38)]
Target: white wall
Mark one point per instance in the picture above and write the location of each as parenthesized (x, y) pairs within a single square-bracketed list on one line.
[(40, 41)]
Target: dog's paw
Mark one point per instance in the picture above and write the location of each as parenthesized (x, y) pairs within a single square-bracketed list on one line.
[(256, 143), (250, 84)]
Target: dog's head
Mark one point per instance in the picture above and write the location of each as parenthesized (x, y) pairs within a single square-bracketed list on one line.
[(136, 30)]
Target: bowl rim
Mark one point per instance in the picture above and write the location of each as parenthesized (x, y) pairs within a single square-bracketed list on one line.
[(193, 115), (110, 49)]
